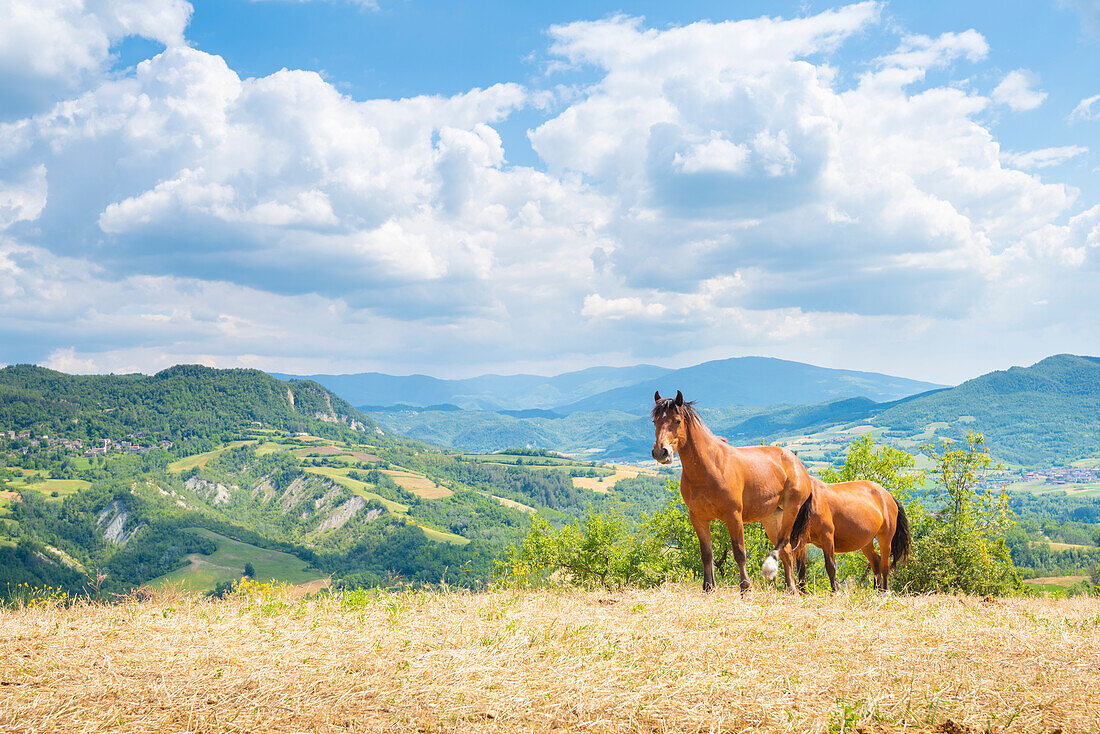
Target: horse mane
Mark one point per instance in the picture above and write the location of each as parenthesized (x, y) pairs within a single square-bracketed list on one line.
[(685, 410)]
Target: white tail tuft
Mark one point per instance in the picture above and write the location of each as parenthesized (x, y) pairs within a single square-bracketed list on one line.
[(771, 566)]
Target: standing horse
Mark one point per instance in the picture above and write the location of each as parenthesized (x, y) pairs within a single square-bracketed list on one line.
[(735, 485), (850, 516)]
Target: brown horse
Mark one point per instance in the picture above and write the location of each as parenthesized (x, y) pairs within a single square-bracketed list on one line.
[(850, 516), (735, 485)]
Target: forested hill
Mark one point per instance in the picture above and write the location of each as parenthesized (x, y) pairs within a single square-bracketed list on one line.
[(1046, 413), (179, 403)]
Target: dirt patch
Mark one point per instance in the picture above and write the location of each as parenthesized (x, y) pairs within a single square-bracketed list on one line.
[(953, 727), (13, 496)]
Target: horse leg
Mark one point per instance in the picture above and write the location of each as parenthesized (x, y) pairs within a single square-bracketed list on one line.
[(706, 550), (884, 559), (787, 555), (872, 558), (737, 545), (791, 511), (801, 563), (829, 550)]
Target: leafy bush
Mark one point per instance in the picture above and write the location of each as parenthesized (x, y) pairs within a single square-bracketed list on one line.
[(602, 552), (961, 547)]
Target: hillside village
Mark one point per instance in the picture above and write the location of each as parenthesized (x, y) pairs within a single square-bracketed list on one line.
[(131, 444)]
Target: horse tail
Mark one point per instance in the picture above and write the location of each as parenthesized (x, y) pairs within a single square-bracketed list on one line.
[(899, 546), (802, 519)]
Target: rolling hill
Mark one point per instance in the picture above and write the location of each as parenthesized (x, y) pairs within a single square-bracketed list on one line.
[(1042, 414), (181, 403)]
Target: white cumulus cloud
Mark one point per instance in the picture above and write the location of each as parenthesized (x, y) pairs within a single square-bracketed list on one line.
[(1018, 90), (53, 47), (717, 188)]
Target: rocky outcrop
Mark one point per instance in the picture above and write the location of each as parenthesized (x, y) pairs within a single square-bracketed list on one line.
[(294, 494), (213, 492), (343, 513), (264, 489), (112, 521)]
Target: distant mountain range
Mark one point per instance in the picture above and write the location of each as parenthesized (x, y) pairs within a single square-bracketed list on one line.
[(1038, 415), (750, 381), (487, 392)]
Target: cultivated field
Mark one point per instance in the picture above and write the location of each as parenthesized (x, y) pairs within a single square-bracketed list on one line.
[(47, 487), (604, 484), (190, 462), (653, 661), (418, 484)]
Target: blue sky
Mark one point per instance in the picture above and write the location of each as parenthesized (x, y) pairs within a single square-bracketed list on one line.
[(456, 188)]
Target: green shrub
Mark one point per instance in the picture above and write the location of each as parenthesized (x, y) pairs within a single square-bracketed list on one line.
[(961, 547), (602, 551)]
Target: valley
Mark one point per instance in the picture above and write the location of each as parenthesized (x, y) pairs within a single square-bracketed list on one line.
[(407, 495)]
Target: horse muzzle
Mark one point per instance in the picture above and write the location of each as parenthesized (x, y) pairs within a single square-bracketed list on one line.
[(662, 454)]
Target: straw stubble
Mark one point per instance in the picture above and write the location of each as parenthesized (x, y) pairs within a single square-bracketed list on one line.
[(665, 660)]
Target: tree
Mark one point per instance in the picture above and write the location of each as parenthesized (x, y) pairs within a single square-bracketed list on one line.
[(892, 468), (961, 544), (249, 570), (961, 474)]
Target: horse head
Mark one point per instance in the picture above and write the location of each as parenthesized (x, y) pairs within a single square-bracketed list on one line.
[(670, 426)]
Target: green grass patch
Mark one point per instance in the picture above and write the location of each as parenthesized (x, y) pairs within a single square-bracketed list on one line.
[(47, 487), (528, 461), (1039, 486), (63, 487), (1050, 584), (227, 564), (442, 537), (273, 447), (190, 462)]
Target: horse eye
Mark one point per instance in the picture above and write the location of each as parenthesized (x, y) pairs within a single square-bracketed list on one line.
[(678, 422)]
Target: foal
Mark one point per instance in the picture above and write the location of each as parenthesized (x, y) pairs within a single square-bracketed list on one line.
[(735, 485), (850, 516)]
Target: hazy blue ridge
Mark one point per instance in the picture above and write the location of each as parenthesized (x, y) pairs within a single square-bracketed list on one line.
[(1039, 415), (754, 381), (486, 392)]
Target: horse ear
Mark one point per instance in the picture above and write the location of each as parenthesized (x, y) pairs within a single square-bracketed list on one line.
[(679, 398), (657, 396)]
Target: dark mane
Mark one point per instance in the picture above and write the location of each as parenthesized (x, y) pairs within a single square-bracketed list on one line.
[(668, 405)]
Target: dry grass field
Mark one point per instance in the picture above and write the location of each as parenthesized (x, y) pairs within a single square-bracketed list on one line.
[(418, 484), (604, 484), (669, 660)]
